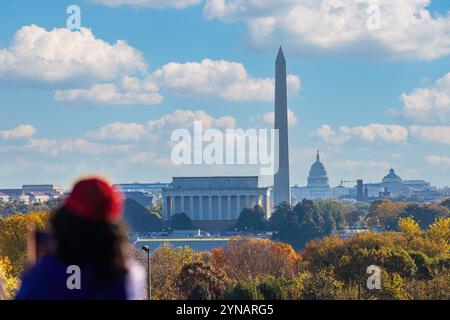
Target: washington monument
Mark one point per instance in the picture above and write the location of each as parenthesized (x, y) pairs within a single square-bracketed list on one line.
[(281, 187)]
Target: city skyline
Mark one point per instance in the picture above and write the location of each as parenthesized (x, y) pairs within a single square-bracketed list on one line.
[(368, 106)]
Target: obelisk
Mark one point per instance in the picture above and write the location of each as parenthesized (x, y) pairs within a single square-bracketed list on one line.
[(281, 187)]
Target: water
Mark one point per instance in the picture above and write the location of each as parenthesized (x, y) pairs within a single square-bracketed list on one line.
[(196, 245)]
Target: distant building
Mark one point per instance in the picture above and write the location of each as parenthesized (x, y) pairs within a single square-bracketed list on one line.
[(32, 193), (38, 197), (146, 194), (341, 191), (318, 187), (392, 185), (373, 190), (417, 185), (51, 190), (214, 202), (16, 195), (4, 197)]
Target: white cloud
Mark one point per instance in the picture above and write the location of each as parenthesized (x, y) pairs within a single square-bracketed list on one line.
[(185, 119), (158, 4), (149, 158), (438, 160), (24, 131), (371, 133), (154, 129), (437, 134), (130, 91), (61, 55), (326, 134), (429, 104), (408, 29), (208, 78), (269, 117), (79, 146), (226, 79), (120, 131), (377, 132)]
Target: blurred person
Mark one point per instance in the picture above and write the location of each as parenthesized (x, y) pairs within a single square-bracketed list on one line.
[(88, 256)]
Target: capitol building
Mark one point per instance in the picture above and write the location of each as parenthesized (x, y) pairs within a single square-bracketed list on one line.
[(318, 187)]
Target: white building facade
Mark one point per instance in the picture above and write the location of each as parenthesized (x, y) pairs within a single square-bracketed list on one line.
[(214, 198)]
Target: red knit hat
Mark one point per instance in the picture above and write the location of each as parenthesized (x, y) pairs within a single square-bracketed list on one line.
[(95, 199)]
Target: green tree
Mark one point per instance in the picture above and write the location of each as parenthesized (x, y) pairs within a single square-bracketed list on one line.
[(425, 215), (243, 290), (446, 203), (272, 289), (140, 219), (181, 221), (251, 219), (305, 222), (280, 216)]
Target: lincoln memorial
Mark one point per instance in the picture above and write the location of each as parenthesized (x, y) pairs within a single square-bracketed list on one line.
[(214, 201)]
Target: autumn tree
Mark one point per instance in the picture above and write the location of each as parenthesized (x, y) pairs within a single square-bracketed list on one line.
[(380, 212), (245, 258), (14, 231), (167, 263), (200, 281), (10, 281)]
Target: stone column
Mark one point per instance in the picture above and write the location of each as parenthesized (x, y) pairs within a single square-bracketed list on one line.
[(220, 213), (165, 211), (191, 199), (182, 204), (229, 209), (265, 204), (200, 205), (210, 207), (238, 205)]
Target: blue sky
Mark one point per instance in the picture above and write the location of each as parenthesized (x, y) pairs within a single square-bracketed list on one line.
[(368, 99)]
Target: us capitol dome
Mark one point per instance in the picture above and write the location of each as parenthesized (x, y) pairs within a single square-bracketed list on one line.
[(318, 187), (318, 177)]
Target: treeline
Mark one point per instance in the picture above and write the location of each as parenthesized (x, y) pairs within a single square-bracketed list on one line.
[(309, 220), (17, 207), (414, 264)]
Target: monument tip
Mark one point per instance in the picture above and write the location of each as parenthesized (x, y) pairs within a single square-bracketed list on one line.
[(280, 55)]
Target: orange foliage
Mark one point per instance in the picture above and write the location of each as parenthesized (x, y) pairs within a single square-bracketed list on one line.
[(244, 258)]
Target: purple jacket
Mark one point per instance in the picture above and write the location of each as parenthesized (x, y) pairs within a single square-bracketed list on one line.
[(47, 280)]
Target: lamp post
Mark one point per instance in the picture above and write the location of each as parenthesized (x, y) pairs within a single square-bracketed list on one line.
[(149, 274)]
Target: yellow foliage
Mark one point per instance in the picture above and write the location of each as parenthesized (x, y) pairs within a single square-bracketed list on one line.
[(167, 263), (13, 237), (409, 226), (10, 282), (440, 230)]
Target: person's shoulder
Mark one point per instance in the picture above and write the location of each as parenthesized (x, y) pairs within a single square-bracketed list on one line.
[(38, 279)]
